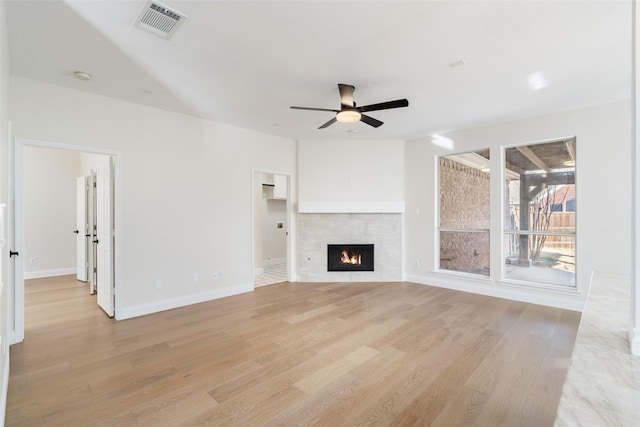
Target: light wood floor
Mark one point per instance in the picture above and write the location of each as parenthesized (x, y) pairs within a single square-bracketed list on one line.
[(338, 354)]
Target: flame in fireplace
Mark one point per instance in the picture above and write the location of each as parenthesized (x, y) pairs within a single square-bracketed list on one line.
[(355, 259)]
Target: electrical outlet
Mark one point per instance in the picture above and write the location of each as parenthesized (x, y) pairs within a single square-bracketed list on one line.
[(33, 260), (216, 275), (158, 283), (220, 274), (417, 263)]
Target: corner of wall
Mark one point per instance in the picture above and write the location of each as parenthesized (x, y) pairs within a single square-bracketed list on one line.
[(634, 341)]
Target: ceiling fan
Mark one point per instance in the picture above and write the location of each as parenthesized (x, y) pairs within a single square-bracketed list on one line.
[(350, 113)]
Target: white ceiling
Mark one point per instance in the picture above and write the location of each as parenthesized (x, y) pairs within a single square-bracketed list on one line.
[(245, 62)]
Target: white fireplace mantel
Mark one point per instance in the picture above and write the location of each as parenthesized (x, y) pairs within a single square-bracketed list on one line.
[(351, 207)]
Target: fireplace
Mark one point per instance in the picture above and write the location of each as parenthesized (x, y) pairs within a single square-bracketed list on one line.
[(349, 257)]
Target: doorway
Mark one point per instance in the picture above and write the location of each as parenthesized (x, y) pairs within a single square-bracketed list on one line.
[(28, 263), (271, 235)]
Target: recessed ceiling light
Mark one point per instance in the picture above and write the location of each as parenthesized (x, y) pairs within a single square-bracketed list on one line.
[(352, 131), (147, 92), (537, 81), (457, 63), (81, 75)]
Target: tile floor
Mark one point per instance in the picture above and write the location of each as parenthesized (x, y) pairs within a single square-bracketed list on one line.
[(272, 274)]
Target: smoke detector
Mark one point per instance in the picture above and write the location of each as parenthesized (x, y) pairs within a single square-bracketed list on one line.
[(159, 19)]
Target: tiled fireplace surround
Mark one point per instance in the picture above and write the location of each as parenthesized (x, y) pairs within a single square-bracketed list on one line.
[(317, 230)]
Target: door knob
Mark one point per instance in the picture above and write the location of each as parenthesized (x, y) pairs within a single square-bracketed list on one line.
[(12, 253), (76, 231)]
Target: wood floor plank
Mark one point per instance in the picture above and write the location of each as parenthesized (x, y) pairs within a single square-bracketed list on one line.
[(309, 410), (376, 375), (230, 388), (426, 407), (290, 354), (334, 370)]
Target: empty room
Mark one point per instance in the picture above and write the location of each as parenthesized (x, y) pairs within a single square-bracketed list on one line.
[(319, 213)]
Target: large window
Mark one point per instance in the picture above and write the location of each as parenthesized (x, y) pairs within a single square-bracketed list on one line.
[(540, 226), (464, 213)]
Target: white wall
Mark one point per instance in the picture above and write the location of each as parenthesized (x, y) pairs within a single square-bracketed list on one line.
[(274, 244), (92, 162), (50, 211), (351, 171), (186, 189), (258, 196), (603, 188), (270, 243), (365, 173)]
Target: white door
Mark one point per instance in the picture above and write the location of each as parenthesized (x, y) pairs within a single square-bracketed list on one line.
[(104, 239), (15, 273), (81, 229), (91, 231)]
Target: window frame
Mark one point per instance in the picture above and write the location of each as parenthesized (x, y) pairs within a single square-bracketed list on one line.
[(504, 232), (439, 229)]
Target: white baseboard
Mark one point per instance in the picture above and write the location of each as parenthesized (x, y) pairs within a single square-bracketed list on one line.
[(49, 273), (5, 384), (458, 284), (155, 307)]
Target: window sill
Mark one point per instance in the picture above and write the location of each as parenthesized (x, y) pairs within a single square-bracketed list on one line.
[(509, 283), (559, 289), (475, 277)]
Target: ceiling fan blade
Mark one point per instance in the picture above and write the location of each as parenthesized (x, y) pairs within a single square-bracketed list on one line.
[(370, 121), (329, 123), (314, 109), (384, 105), (346, 95)]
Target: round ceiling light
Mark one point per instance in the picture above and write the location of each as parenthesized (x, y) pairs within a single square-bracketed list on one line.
[(81, 75), (348, 116)]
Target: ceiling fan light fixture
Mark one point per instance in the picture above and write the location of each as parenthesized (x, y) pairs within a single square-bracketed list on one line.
[(348, 116), (349, 113)]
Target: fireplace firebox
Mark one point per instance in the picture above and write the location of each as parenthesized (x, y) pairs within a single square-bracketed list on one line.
[(349, 257)]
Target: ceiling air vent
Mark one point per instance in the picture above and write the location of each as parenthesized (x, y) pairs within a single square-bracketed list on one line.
[(159, 19)]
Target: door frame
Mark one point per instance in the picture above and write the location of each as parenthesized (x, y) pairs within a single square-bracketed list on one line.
[(16, 223), (292, 271)]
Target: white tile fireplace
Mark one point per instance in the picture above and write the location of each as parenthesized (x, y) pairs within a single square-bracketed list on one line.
[(323, 224)]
